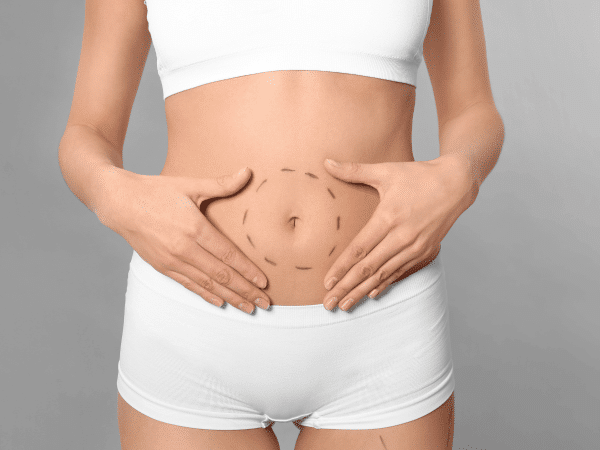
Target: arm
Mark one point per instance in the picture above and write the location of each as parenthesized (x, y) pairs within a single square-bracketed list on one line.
[(114, 49), (92, 167), (471, 131), (474, 138)]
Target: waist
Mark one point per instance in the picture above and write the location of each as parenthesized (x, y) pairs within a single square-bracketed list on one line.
[(292, 218), (283, 116), (406, 297)]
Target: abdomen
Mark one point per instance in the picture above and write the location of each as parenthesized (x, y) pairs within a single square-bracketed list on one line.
[(293, 218)]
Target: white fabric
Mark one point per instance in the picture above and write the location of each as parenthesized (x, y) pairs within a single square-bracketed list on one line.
[(187, 362), (202, 41)]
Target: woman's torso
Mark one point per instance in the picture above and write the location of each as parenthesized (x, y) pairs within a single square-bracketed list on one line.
[(292, 219)]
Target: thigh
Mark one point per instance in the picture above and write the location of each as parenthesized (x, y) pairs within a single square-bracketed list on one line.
[(140, 432), (435, 431)]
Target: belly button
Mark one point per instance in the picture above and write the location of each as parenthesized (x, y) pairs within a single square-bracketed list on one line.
[(292, 221)]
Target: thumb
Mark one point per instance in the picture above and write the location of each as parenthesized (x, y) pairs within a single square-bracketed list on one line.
[(222, 186), (354, 172)]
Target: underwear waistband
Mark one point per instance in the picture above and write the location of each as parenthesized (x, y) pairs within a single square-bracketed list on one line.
[(420, 283)]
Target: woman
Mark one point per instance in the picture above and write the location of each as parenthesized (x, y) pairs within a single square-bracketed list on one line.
[(279, 87)]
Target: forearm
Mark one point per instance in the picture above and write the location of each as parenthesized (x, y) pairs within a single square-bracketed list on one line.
[(91, 167), (475, 138)]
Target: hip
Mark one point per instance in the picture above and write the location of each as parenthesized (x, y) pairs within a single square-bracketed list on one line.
[(389, 354)]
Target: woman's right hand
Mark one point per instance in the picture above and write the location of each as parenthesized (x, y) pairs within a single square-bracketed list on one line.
[(160, 217)]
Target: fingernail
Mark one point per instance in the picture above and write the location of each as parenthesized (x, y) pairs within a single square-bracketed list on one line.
[(329, 303), (216, 303), (373, 293), (333, 162), (346, 303), (330, 283), (262, 283), (262, 303), (242, 171), (247, 307)]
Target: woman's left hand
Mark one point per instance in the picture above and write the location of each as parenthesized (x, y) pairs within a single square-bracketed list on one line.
[(419, 201)]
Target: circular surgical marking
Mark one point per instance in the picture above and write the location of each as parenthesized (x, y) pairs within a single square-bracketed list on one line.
[(293, 219)]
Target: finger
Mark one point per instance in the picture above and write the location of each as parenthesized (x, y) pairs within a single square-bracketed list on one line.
[(401, 272), (364, 270), (216, 275), (373, 174), (194, 287), (358, 293), (403, 259), (200, 189), (369, 236), (197, 281), (395, 276), (210, 239)]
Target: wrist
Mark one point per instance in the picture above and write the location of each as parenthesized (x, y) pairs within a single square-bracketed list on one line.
[(461, 168), (112, 188)]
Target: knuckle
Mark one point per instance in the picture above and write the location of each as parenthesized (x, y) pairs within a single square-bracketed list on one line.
[(391, 278), (354, 167), (383, 274), (178, 246), (358, 251), (187, 284), (222, 180), (207, 283), (202, 233), (419, 247), (229, 256), (414, 237), (366, 270), (389, 172), (198, 231), (246, 294), (388, 218), (223, 277), (394, 276)]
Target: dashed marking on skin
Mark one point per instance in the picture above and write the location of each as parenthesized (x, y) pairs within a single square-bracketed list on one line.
[(264, 181), (312, 175), (382, 443)]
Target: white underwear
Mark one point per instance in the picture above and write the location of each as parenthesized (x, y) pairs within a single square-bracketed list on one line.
[(187, 362)]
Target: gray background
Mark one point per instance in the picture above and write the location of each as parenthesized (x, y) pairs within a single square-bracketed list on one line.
[(522, 263)]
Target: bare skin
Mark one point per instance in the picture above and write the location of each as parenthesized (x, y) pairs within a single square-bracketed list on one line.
[(435, 431), (293, 218), (140, 432)]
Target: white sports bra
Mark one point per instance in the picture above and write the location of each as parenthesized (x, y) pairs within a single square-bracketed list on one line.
[(202, 41)]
